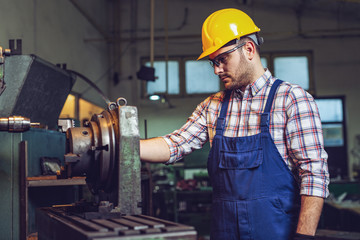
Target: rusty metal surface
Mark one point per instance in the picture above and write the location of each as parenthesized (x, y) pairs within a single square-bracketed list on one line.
[(129, 188)]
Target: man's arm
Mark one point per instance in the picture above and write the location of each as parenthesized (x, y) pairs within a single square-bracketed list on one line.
[(310, 212), (154, 150), (306, 148)]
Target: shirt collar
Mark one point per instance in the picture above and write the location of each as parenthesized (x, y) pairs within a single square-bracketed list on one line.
[(256, 86), (263, 80), (238, 93)]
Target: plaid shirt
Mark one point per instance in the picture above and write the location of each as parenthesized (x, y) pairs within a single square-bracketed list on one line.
[(295, 127)]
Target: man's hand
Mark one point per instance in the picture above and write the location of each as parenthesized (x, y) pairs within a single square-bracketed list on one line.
[(310, 213)]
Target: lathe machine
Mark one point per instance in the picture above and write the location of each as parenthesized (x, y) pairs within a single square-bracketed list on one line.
[(105, 152)]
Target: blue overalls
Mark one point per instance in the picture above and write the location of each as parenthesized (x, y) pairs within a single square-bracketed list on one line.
[(255, 195)]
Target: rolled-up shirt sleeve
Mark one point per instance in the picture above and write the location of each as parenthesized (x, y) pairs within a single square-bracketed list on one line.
[(191, 136), (305, 143)]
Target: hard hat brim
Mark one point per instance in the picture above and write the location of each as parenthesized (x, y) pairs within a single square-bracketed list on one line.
[(208, 52)]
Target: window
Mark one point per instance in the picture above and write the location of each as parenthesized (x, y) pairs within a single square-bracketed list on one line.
[(200, 77), (167, 78), (331, 109), (291, 67), (332, 113), (184, 76), (332, 118)]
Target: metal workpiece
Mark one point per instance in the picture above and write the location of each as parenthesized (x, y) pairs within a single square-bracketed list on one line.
[(16, 124), (106, 151), (79, 140), (108, 145), (96, 147)]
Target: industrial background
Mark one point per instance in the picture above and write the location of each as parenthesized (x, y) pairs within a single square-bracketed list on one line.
[(107, 42)]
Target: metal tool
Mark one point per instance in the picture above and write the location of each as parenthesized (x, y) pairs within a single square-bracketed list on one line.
[(16, 124)]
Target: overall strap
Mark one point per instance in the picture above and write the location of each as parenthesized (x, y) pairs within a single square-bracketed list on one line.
[(265, 116), (221, 119)]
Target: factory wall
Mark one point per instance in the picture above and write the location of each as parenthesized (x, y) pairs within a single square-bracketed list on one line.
[(61, 32), (336, 55), (57, 31)]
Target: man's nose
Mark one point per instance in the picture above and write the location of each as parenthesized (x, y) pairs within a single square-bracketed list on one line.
[(218, 69)]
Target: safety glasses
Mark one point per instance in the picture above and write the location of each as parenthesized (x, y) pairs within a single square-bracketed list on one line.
[(222, 57)]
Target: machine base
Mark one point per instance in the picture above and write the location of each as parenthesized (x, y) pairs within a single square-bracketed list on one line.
[(55, 223)]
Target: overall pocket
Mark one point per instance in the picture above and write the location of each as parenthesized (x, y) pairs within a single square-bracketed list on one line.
[(241, 160), (240, 174)]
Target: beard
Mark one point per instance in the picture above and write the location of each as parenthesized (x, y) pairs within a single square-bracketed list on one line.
[(242, 76)]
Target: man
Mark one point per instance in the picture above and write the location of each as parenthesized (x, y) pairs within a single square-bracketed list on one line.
[(267, 153)]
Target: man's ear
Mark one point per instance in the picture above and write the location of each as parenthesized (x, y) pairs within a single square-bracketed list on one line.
[(249, 49)]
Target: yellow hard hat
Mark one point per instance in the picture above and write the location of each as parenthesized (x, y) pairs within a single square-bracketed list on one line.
[(223, 26)]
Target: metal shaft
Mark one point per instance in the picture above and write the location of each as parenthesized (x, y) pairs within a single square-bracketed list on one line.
[(16, 124)]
